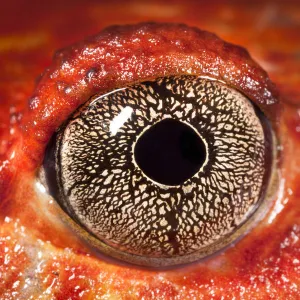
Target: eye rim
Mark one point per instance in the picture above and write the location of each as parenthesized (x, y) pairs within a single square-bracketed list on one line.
[(260, 209), (174, 49)]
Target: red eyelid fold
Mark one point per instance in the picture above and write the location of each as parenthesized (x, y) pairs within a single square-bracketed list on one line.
[(122, 55)]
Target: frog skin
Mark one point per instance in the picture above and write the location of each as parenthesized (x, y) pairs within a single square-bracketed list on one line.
[(41, 257)]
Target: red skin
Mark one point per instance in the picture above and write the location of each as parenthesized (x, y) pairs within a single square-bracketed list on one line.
[(264, 264)]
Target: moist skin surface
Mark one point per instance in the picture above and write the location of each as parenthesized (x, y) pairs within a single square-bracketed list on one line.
[(40, 255)]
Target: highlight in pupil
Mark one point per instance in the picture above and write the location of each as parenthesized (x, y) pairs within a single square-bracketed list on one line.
[(170, 152)]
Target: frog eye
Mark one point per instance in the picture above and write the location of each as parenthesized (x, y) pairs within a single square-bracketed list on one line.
[(163, 169)]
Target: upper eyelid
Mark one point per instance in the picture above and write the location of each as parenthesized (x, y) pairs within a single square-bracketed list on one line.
[(86, 69)]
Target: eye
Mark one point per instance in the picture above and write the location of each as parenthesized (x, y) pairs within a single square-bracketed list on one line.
[(163, 172), (156, 140)]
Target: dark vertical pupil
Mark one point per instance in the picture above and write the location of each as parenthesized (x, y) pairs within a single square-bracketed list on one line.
[(170, 152)]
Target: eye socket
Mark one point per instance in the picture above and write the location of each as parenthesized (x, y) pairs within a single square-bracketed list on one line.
[(162, 172)]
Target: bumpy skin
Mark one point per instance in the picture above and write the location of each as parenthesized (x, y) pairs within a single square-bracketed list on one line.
[(264, 264), (123, 55)]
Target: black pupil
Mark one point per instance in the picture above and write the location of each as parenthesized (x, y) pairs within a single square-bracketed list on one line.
[(170, 152)]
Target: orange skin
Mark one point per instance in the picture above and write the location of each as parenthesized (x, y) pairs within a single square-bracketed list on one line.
[(39, 253)]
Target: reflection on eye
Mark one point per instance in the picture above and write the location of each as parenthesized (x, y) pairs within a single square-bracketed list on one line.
[(162, 172)]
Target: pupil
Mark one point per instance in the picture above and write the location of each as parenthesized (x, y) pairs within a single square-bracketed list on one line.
[(170, 152)]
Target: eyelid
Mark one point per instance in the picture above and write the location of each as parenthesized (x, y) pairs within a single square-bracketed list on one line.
[(123, 55)]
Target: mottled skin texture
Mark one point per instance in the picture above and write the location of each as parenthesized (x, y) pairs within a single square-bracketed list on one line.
[(40, 256)]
